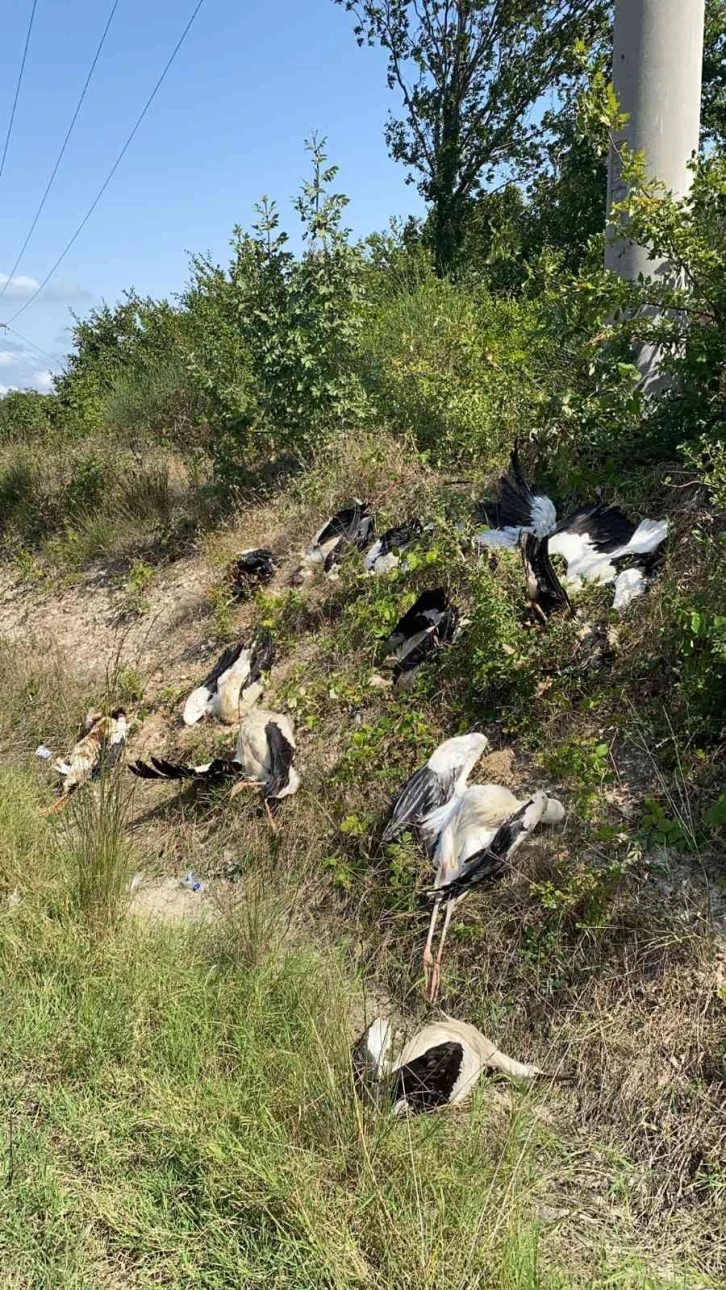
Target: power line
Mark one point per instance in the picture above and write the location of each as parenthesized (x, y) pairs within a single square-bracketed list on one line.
[(113, 169), (17, 88), (54, 172), (43, 352)]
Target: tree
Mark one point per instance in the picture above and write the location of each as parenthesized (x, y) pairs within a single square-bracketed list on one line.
[(472, 74)]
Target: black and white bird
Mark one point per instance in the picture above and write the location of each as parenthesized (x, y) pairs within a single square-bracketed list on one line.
[(438, 1067), (252, 569), (351, 526), (444, 776), (385, 554), (431, 622), (263, 759), (234, 684), (478, 834), (98, 750), (598, 543)]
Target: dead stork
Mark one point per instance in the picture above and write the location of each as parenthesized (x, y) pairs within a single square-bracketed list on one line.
[(252, 569), (263, 759), (351, 526), (385, 554), (234, 684), (98, 750), (478, 834), (431, 622), (444, 776), (598, 543), (438, 1067)]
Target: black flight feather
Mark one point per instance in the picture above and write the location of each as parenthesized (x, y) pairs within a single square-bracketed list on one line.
[(607, 526), (225, 660), (514, 506), (427, 609), (347, 523), (544, 589), (263, 656), (399, 537), (428, 1081), (281, 755), (489, 862), (423, 793), (219, 768)]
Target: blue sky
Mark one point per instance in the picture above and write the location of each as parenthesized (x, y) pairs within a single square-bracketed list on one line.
[(227, 125)]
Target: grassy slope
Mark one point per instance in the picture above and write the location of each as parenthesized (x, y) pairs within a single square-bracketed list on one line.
[(177, 1101)]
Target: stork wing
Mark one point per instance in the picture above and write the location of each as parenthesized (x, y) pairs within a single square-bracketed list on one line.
[(606, 527), (429, 1081), (344, 524), (423, 612), (281, 755), (543, 586), (263, 656), (424, 792), (219, 768), (517, 507), (491, 861)]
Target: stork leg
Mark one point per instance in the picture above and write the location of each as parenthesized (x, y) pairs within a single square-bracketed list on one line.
[(434, 983), (244, 783), (428, 958), (273, 826), (59, 805)]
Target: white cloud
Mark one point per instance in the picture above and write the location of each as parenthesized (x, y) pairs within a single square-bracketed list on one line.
[(21, 287), (8, 356), (5, 389), (43, 381)]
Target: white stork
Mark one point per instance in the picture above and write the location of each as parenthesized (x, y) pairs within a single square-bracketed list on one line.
[(385, 554), (431, 622), (351, 526), (444, 776), (479, 833), (438, 1067), (99, 749), (263, 759), (234, 684), (598, 542)]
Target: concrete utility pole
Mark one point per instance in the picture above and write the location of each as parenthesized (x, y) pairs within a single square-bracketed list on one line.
[(657, 58), (657, 63)]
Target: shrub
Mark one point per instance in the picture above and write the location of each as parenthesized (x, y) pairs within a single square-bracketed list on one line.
[(25, 415)]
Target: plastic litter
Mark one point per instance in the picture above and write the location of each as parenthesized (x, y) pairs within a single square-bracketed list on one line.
[(42, 751), (194, 883)]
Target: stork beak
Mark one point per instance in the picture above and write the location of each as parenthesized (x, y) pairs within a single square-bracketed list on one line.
[(244, 783)]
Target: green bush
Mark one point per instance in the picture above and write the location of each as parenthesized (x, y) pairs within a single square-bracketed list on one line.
[(25, 415)]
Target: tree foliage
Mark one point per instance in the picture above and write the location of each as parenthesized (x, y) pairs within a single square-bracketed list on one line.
[(472, 74)]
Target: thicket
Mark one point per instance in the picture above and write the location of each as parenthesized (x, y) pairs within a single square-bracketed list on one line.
[(166, 409)]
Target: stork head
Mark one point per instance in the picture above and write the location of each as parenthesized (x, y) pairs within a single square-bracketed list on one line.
[(370, 1052), (554, 811)]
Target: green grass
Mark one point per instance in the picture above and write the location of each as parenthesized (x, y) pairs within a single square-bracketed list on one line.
[(177, 1109)]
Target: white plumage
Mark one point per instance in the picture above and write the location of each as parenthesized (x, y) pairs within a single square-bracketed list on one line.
[(598, 542), (233, 686), (478, 833), (444, 776), (263, 759), (258, 754), (438, 1067)]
